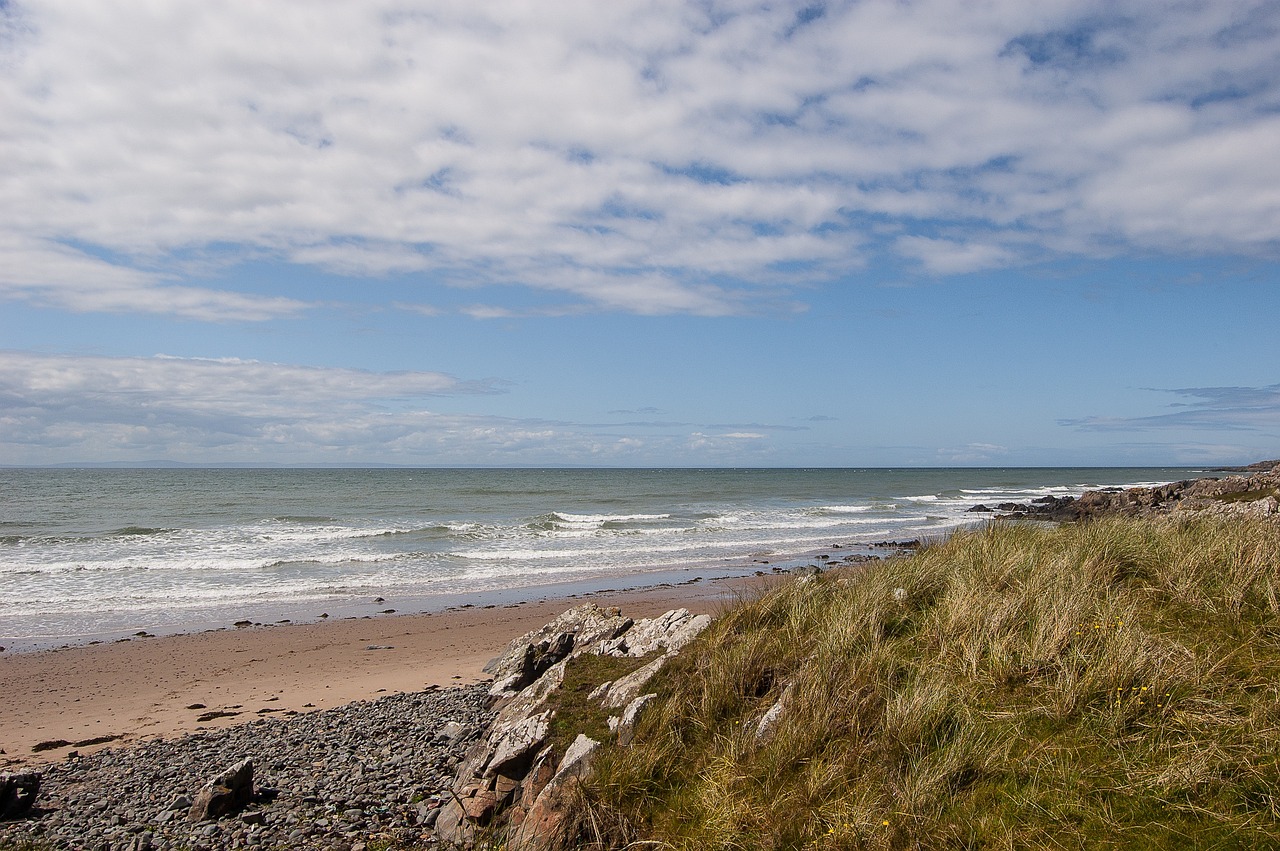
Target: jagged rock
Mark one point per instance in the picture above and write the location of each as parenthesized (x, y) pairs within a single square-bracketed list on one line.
[(18, 793), (510, 779), (625, 726), (518, 742), (225, 794), (668, 632), (528, 657), (542, 828), (768, 723), (625, 689)]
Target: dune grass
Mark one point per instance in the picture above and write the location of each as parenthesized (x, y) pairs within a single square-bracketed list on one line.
[(1114, 684)]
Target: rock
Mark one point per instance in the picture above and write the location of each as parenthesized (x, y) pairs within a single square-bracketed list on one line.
[(543, 827), (18, 793), (225, 794), (978, 508), (519, 741), (626, 726), (625, 689), (528, 657), (667, 632), (768, 723)]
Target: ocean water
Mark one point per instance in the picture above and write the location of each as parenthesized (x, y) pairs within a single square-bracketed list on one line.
[(96, 553)]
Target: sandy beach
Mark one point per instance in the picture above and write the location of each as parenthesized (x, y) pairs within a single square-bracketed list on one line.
[(144, 688)]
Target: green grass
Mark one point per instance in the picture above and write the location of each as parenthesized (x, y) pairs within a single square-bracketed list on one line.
[(574, 713), (1114, 684)]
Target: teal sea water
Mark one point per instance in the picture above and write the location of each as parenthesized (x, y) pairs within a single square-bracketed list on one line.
[(92, 553)]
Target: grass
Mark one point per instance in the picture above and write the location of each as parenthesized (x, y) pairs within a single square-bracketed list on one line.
[(1249, 495), (1114, 684), (574, 713)]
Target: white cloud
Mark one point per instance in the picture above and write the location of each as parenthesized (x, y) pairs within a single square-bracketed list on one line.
[(65, 408), (950, 257), (654, 157)]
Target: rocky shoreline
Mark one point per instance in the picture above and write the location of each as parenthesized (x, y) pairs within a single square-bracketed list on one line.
[(1257, 493)]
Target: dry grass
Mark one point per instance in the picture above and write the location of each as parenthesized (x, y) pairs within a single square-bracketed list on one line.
[(1108, 685)]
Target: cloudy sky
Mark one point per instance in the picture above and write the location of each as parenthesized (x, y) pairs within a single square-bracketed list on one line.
[(641, 232)]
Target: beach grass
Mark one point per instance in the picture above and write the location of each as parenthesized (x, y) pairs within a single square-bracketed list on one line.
[(1112, 684)]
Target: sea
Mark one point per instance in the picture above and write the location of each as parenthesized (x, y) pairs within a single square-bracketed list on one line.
[(100, 554)]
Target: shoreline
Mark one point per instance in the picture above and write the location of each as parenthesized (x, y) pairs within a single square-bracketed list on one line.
[(122, 693)]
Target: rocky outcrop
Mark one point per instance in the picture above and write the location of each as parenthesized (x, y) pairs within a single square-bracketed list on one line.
[(1257, 494), (515, 782), (531, 655)]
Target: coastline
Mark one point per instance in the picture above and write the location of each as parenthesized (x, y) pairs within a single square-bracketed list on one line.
[(127, 692)]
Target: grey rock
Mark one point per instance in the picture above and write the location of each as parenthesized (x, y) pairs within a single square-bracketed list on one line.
[(667, 632), (18, 793), (626, 689), (626, 725)]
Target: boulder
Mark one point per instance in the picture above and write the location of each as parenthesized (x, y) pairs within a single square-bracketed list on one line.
[(18, 794), (625, 726), (225, 794), (518, 743)]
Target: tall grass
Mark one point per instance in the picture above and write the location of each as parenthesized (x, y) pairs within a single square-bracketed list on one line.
[(1108, 685)]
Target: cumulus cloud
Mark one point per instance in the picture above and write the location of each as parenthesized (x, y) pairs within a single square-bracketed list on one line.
[(652, 157)]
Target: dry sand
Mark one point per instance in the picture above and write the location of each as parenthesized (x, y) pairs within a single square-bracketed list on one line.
[(146, 687)]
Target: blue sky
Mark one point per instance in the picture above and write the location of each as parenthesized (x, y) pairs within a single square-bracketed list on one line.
[(639, 233)]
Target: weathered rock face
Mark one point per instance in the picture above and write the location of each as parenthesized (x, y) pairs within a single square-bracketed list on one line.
[(531, 655), (513, 780), (18, 794), (224, 795)]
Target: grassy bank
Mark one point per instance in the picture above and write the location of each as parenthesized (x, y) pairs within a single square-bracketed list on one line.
[(1112, 684)]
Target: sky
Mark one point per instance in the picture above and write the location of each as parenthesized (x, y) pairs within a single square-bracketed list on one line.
[(640, 233)]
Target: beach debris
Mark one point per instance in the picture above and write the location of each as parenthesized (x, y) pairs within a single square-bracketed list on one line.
[(380, 647), (50, 745), (226, 794), (214, 713), (119, 795), (18, 794)]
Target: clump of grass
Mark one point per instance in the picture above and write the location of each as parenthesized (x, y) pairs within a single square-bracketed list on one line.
[(573, 712), (1106, 685), (1248, 496)]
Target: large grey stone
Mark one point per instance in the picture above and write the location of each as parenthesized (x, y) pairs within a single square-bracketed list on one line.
[(225, 794)]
